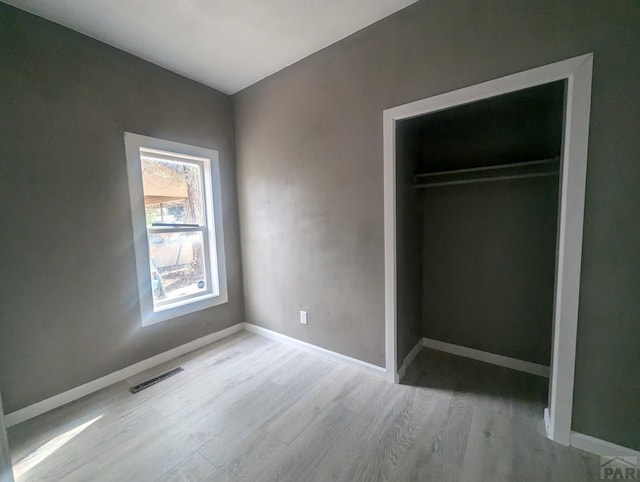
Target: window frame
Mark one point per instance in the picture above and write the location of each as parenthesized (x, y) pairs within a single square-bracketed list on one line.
[(138, 147)]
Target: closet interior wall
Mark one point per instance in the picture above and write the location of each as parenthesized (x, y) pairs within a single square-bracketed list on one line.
[(476, 260), (409, 263)]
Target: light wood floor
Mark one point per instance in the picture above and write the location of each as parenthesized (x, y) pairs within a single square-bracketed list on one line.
[(248, 408)]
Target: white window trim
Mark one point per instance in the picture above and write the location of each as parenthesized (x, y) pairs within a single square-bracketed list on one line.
[(213, 212)]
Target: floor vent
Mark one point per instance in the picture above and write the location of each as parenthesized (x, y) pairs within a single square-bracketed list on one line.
[(154, 380)]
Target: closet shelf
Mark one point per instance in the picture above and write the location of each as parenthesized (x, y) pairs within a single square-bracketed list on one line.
[(503, 172)]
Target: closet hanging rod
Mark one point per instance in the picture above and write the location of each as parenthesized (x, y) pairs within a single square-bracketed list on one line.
[(487, 179), (550, 161)]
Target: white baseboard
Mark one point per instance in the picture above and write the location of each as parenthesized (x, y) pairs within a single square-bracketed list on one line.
[(63, 398), (600, 447), (503, 361), (56, 401), (303, 345), (578, 440), (409, 359)]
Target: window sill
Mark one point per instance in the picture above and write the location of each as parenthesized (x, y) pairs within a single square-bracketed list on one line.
[(185, 307)]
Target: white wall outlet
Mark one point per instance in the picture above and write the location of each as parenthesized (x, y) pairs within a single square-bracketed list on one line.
[(303, 317)]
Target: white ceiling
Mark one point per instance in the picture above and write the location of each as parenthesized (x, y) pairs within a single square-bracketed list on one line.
[(226, 44)]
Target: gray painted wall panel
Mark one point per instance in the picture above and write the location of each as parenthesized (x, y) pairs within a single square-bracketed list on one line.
[(489, 266), (68, 298), (309, 145)]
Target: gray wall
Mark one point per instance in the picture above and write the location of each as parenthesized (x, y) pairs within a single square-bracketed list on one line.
[(489, 266), (309, 147), (68, 298)]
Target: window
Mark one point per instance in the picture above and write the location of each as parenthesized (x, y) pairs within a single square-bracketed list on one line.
[(177, 227)]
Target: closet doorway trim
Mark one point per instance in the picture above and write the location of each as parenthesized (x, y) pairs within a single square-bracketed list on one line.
[(577, 72)]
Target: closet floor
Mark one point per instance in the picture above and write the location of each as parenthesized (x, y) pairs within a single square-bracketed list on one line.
[(249, 408)]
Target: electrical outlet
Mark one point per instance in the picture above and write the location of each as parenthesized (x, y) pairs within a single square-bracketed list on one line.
[(303, 317)]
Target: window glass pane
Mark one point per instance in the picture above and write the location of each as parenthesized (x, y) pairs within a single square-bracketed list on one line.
[(172, 192), (177, 265)]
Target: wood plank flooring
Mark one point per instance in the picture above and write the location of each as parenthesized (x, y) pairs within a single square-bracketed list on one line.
[(248, 408)]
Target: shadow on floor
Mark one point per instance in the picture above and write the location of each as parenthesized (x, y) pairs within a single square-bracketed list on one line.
[(441, 371)]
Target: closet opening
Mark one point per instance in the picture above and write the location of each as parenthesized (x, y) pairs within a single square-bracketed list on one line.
[(484, 202), (481, 184)]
